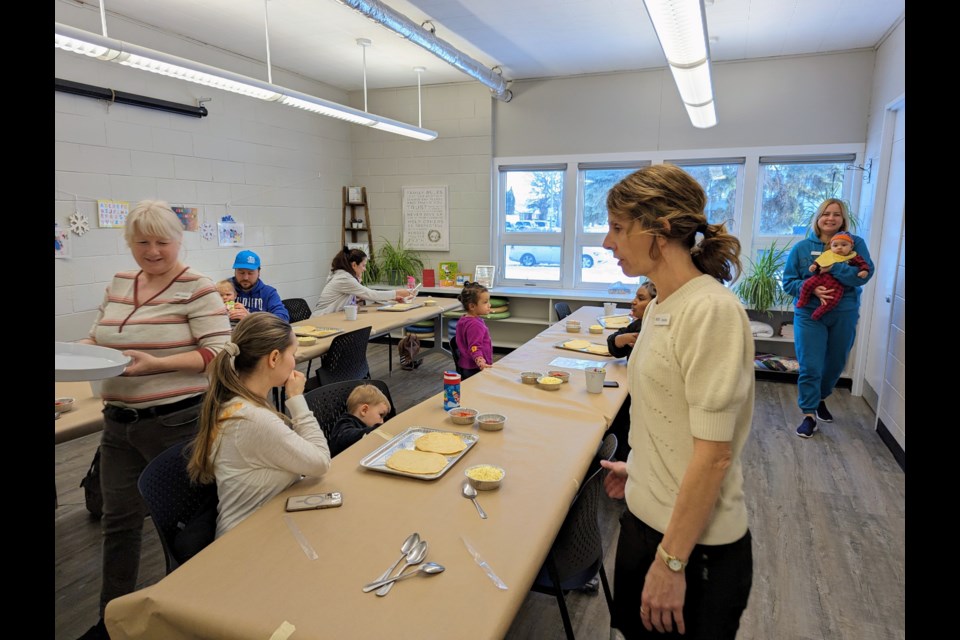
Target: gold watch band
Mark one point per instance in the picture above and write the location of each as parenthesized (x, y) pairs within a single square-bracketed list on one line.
[(673, 563)]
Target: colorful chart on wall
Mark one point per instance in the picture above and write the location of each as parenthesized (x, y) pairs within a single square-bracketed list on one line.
[(112, 214), (230, 234), (188, 218), (426, 219)]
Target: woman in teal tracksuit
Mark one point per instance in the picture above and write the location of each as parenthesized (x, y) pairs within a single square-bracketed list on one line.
[(823, 345)]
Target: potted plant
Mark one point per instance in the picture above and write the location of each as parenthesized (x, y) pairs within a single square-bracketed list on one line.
[(760, 289), (394, 263)]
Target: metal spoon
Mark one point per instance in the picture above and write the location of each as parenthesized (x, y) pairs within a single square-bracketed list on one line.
[(429, 568), (414, 556), (469, 491), (408, 544)]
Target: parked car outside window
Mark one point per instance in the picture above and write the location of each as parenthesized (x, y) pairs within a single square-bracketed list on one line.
[(531, 255)]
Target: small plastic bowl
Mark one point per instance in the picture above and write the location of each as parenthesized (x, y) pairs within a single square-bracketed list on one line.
[(530, 377), (545, 383), (62, 405), (563, 375), (491, 421), (462, 415), (484, 485), (573, 326)]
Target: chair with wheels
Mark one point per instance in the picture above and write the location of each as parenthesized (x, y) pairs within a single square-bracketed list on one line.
[(562, 309), (297, 308), (346, 359), (329, 402), (576, 555), (184, 513)]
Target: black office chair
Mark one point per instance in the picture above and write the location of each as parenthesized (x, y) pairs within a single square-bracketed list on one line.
[(576, 555), (183, 513), (297, 308), (346, 359), (329, 402), (455, 351), (562, 309)]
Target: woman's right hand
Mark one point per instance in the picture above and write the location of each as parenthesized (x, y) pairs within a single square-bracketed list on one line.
[(616, 480), (295, 384), (402, 294), (823, 293)]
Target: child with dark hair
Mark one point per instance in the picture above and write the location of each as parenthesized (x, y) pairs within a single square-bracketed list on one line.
[(473, 337)]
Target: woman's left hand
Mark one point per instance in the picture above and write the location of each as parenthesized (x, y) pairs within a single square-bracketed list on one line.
[(295, 384), (141, 363), (661, 604)]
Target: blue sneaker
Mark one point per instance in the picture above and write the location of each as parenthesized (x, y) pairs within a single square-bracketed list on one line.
[(822, 414), (807, 428)]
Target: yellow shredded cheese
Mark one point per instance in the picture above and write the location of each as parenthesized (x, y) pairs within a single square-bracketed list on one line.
[(485, 472)]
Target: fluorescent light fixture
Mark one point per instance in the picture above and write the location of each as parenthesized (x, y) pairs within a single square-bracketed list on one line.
[(681, 27), (103, 48)]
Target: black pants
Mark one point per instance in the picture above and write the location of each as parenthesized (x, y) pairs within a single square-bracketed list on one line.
[(718, 584)]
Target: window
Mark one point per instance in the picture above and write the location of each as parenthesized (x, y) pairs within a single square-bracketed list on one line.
[(791, 189), (721, 180), (532, 222)]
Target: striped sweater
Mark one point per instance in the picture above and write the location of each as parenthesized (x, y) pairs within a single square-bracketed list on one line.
[(186, 316)]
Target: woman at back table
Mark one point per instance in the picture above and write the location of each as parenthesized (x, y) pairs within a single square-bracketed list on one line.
[(170, 320), (343, 284), (252, 451), (620, 342)]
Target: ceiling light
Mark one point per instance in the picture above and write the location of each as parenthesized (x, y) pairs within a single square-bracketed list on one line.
[(682, 30), (103, 48)]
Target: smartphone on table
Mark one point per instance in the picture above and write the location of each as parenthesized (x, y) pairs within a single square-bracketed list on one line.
[(314, 501), (611, 383)]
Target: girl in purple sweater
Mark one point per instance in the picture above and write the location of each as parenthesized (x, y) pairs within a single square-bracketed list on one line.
[(473, 337)]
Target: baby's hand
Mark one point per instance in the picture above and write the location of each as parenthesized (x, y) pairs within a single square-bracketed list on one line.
[(813, 267), (862, 274)]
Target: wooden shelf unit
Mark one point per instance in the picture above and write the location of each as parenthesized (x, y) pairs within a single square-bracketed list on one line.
[(352, 212)]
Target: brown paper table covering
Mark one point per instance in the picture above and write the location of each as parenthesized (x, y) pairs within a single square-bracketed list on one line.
[(378, 321), (256, 578), (85, 418)]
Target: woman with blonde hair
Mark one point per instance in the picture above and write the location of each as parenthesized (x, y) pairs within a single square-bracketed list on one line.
[(684, 560), (823, 345), (252, 451), (170, 320)]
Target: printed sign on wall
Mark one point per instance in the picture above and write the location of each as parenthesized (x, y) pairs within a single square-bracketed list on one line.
[(426, 219), (112, 214)]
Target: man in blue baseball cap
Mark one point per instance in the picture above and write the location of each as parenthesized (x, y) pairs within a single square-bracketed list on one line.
[(252, 293)]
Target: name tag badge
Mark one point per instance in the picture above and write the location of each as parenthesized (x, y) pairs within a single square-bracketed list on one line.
[(661, 320), (182, 295), (815, 253)]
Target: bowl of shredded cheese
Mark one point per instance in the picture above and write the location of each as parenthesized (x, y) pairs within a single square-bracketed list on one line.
[(550, 383), (485, 476)]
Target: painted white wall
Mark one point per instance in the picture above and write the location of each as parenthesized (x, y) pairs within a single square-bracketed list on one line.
[(276, 169), (460, 158), (783, 101)]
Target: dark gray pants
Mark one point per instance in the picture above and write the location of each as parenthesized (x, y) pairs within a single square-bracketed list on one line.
[(125, 449)]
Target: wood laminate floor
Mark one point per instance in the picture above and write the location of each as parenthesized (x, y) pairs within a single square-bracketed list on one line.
[(826, 514)]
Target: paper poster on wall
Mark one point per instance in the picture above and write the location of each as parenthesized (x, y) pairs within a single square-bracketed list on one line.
[(61, 241), (112, 214), (188, 218), (426, 219), (230, 234)]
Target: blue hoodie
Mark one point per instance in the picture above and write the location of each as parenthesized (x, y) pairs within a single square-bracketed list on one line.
[(802, 255), (262, 297)]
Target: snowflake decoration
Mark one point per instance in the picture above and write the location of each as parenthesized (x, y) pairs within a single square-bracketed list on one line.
[(79, 223), (207, 231)]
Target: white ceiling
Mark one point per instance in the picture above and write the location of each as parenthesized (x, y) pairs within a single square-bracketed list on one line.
[(526, 38)]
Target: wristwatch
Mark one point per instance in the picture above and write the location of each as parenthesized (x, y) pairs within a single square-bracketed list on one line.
[(673, 563)]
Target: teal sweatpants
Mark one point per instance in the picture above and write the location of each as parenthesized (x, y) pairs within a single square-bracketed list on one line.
[(822, 349)]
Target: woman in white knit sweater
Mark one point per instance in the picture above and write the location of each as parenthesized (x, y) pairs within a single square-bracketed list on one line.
[(343, 284), (252, 451), (684, 561)]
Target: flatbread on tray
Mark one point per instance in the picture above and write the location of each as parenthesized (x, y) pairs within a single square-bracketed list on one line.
[(417, 462), (599, 349), (577, 344), (440, 442)]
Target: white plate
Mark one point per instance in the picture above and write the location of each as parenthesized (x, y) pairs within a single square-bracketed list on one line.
[(74, 362)]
